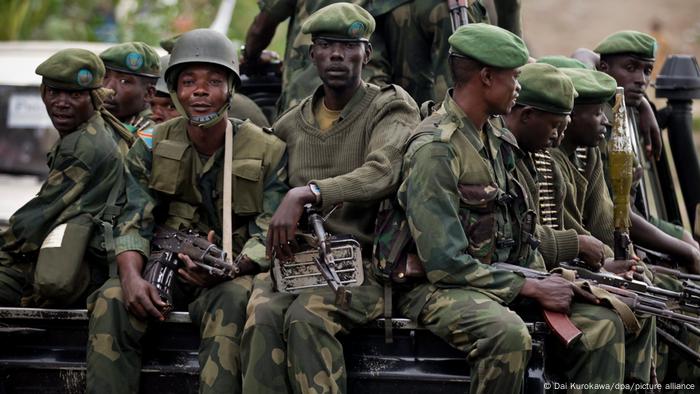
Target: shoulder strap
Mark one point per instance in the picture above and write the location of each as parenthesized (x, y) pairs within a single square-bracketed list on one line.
[(227, 231)]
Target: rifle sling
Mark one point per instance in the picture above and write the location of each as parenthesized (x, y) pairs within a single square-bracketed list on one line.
[(227, 230), (626, 314)]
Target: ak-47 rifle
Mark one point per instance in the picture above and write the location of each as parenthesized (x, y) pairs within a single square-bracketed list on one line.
[(164, 262), (458, 13), (638, 296), (321, 260)]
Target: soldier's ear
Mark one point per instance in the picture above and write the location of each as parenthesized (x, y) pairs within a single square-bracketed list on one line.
[(486, 76), (526, 114), (150, 93), (311, 51), (368, 52), (603, 65)]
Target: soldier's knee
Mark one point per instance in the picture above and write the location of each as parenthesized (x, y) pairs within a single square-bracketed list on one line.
[(109, 297), (513, 336), (233, 294)]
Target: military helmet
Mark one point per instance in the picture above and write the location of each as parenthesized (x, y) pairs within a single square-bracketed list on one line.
[(202, 46)]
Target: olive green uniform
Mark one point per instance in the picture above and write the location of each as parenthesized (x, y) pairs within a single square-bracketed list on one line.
[(289, 341), (84, 167), (186, 189), (465, 210)]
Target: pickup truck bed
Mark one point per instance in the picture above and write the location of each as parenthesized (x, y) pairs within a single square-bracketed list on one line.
[(43, 351)]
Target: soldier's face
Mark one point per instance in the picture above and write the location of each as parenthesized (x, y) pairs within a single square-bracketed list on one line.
[(503, 90), (131, 94), (163, 109), (561, 132), (202, 88), (339, 63), (67, 109), (542, 127), (587, 126), (631, 73)]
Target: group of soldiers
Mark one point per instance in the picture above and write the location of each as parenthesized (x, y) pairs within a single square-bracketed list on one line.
[(507, 166)]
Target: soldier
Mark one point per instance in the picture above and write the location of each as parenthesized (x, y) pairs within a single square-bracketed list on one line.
[(162, 107), (415, 32), (132, 71), (545, 100), (539, 111), (344, 147), (465, 209), (588, 201), (629, 56), (182, 178), (242, 107), (59, 240)]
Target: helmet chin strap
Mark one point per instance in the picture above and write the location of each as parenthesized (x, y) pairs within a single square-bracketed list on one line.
[(208, 120)]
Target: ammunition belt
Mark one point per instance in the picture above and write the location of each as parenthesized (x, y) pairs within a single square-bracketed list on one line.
[(582, 155), (546, 191)]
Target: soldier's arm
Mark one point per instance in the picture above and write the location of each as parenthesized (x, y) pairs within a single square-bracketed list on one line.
[(599, 206), (379, 175), (275, 189), (429, 196), (62, 189), (135, 224), (508, 16), (261, 31)]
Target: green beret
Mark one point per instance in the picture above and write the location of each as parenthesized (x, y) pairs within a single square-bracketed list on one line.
[(628, 42), (161, 86), (562, 62), (593, 87), (340, 22), (490, 45), (169, 43), (544, 87), (72, 69), (132, 58)]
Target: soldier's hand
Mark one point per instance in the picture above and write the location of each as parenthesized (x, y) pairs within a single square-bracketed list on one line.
[(141, 298), (625, 268), (688, 238), (197, 275), (591, 251), (693, 265), (283, 225), (649, 129), (555, 293)]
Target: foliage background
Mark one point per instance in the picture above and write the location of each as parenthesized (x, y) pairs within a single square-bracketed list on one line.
[(119, 20)]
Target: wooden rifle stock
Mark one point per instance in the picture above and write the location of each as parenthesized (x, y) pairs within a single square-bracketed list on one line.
[(562, 326), (559, 323)]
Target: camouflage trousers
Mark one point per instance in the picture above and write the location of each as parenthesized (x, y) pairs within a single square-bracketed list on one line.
[(289, 342), (498, 344), (14, 280), (671, 366), (114, 341)]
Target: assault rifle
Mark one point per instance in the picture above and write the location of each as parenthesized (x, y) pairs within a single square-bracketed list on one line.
[(458, 13), (638, 296), (164, 262), (325, 261)]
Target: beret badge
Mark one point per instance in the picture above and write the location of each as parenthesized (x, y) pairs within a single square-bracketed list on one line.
[(84, 77), (134, 61)]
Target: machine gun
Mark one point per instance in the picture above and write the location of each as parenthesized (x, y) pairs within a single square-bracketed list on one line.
[(321, 260), (458, 13), (164, 262)]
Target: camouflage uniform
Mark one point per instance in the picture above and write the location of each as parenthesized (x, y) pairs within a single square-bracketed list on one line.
[(176, 180), (289, 341), (84, 167), (588, 206), (142, 126), (414, 45), (459, 194)]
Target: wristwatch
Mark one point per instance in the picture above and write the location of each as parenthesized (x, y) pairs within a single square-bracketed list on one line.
[(316, 191)]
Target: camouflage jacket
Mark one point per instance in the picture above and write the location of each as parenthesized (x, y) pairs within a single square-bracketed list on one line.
[(464, 206), (142, 126), (556, 245), (84, 166), (410, 45), (175, 186), (588, 206)]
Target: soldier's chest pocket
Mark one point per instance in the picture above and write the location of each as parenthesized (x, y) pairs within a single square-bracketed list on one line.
[(477, 212), (248, 184), (171, 167)]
